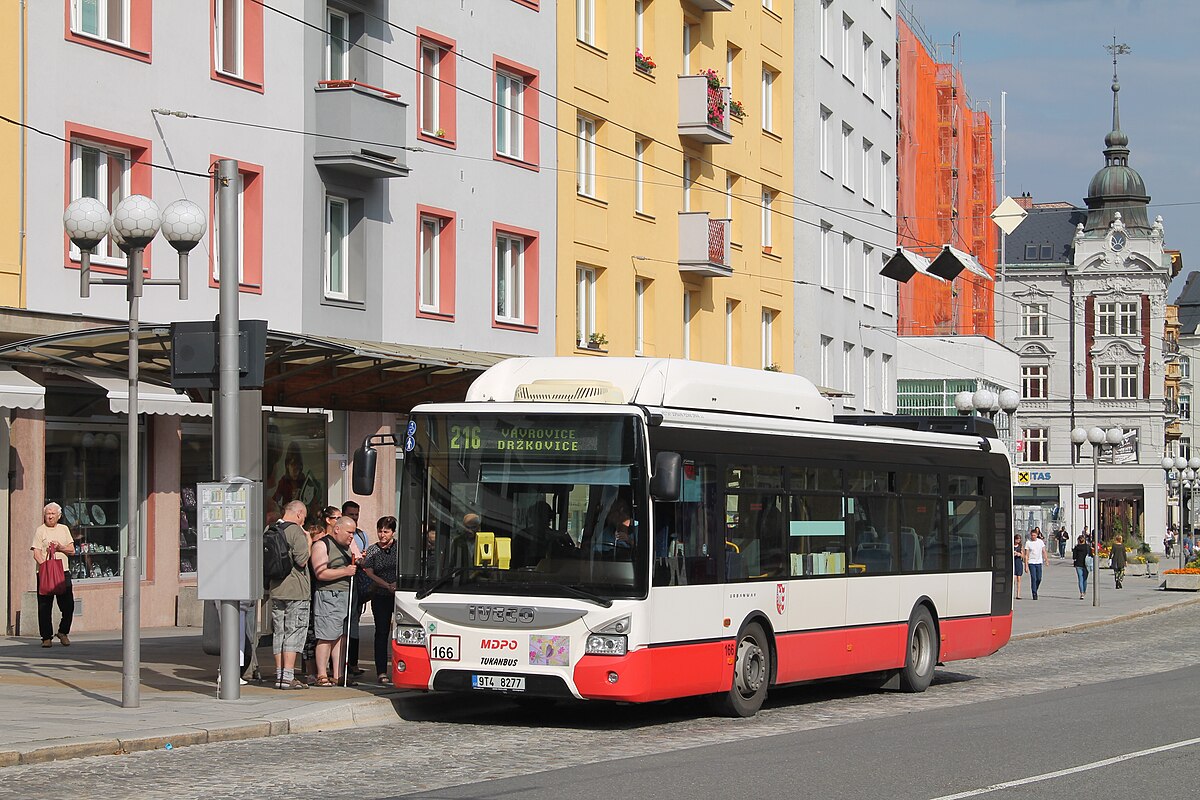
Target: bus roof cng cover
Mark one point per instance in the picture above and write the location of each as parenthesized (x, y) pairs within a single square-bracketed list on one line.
[(657, 382)]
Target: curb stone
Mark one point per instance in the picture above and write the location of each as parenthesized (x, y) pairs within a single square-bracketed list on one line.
[(1083, 626)]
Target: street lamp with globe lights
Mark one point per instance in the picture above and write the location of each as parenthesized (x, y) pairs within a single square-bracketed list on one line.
[(132, 226), (1097, 437), (1173, 467)]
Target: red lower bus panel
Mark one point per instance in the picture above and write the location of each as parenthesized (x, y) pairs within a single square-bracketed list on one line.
[(417, 668), (974, 637), (811, 655), (657, 673)]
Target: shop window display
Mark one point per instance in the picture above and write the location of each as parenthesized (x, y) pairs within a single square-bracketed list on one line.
[(85, 474), (296, 464), (195, 466)]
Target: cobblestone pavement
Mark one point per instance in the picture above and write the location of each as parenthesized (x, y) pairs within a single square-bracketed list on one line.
[(452, 740)]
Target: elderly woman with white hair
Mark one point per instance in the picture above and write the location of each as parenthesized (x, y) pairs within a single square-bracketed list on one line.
[(53, 540)]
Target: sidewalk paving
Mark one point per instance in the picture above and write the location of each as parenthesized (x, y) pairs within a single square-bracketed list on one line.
[(66, 702)]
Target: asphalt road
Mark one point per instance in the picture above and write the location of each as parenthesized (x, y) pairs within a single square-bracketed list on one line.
[(1039, 706)]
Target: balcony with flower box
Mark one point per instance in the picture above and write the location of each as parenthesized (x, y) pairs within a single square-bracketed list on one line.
[(360, 130), (704, 109), (704, 245)]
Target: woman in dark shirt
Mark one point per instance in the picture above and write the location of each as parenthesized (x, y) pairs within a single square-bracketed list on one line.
[(379, 565), (1118, 561), (1079, 556)]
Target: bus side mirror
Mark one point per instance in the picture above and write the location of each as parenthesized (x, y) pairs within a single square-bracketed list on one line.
[(665, 481), (363, 479)]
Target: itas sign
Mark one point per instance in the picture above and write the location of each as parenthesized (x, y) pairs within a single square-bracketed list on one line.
[(1026, 477)]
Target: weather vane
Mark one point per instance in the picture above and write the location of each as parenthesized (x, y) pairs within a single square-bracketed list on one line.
[(1117, 49)]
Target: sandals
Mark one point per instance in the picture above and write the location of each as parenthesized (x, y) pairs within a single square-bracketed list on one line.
[(325, 680)]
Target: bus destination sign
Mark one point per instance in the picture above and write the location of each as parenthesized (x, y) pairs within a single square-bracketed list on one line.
[(520, 438)]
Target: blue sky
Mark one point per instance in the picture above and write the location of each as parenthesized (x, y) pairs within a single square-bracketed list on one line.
[(1049, 56)]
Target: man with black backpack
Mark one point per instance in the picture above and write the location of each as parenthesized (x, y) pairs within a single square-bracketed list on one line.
[(290, 589)]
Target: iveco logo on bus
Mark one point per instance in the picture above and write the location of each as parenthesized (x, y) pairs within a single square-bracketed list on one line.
[(498, 644), (501, 615)]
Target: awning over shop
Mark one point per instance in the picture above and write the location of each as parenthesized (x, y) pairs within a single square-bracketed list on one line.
[(151, 399), (17, 391), (302, 370)]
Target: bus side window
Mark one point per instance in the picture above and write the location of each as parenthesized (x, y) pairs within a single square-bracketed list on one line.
[(683, 532)]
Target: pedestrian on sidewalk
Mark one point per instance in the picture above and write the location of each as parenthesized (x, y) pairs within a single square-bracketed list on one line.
[(333, 567), (290, 600), (1064, 539), (1080, 554), (379, 566), (53, 540), (1118, 561), (1035, 557), (1018, 563)]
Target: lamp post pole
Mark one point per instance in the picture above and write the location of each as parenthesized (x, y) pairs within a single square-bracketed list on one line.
[(132, 226)]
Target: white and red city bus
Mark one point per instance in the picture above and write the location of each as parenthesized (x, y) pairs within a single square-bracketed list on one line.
[(642, 529)]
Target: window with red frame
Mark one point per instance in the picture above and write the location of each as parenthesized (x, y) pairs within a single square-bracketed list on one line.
[(516, 122), (101, 171), (237, 42), (435, 89), (515, 278), (249, 226), (435, 259), (117, 26)]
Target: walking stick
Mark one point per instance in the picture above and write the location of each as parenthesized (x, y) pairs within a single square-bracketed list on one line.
[(346, 642)]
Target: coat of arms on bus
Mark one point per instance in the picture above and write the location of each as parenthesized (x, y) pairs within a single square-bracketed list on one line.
[(550, 651), (780, 597)]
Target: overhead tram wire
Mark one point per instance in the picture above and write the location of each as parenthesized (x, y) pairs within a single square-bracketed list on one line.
[(554, 127)]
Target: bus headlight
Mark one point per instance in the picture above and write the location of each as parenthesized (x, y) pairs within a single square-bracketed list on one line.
[(410, 634), (599, 644)]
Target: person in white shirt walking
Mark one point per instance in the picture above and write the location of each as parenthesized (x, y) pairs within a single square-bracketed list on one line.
[(1035, 557)]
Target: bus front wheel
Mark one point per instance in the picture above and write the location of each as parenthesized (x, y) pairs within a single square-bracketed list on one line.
[(751, 674), (922, 652)]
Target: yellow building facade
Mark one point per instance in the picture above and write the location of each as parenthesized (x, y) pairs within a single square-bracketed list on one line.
[(675, 225), (12, 191)]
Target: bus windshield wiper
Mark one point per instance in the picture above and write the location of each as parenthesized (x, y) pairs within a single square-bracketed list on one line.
[(440, 582), (573, 591)]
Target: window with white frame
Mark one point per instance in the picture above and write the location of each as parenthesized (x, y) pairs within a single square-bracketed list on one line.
[(847, 279), (430, 285), (1185, 447), (825, 141), (730, 306), (102, 172), (1129, 382), (101, 19), (687, 184), (687, 324), (1035, 319), (847, 157), (768, 338), (826, 27), (639, 24), (510, 119), (1106, 319), (826, 254), (1035, 381), (1185, 367), (510, 278), (768, 201), (639, 175), (889, 385), (1107, 374), (868, 379), (826, 359), (886, 97), (585, 304), (866, 66), (730, 182), (768, 99), (689, 34), (868, 162), (337, 45), (227, 32), (847, 48), (1127, 319), (639, 316), (337, 248), (241, 231), (1185, 406), (730, 66), (585, 157), (864, 270), (887, 187), (1036, 446), (585, 21), (848, 374), (430, 88)]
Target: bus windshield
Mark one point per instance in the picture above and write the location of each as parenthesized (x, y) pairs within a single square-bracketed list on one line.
[(524, 504)]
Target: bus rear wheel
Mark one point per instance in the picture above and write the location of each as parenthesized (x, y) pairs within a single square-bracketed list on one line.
[(922, 652), (751, 674)]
